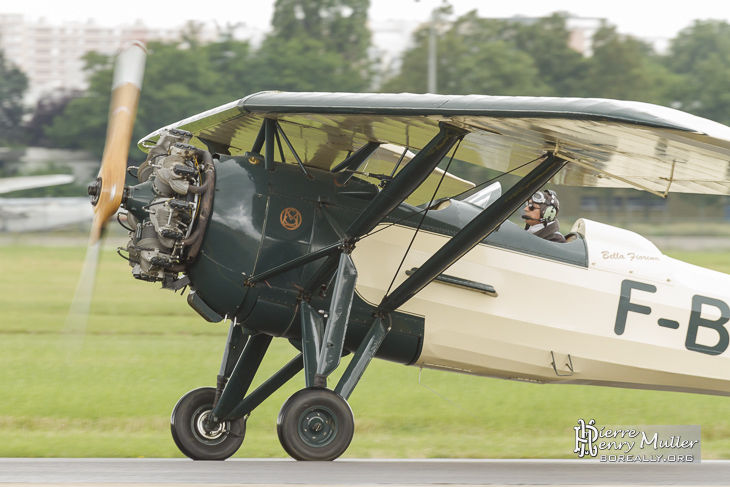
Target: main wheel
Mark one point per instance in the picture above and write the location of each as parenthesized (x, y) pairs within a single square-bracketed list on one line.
[(315, 424), (193, 438)]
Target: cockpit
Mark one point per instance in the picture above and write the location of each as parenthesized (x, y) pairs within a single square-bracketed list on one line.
[(450, 215)]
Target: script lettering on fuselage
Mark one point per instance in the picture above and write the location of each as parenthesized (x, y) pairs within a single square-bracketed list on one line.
[(696, 321), (627, 256)]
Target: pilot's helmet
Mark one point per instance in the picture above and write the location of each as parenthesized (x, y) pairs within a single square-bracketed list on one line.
[(549, 205)]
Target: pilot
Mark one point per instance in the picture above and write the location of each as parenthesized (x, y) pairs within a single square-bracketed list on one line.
[(540, 215)]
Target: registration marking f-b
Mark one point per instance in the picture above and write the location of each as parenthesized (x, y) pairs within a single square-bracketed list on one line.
[(626, 306)]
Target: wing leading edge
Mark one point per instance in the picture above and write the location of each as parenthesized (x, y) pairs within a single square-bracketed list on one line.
[(608, 143)]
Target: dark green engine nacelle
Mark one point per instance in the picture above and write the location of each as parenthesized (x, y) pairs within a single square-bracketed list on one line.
[(263, 219)]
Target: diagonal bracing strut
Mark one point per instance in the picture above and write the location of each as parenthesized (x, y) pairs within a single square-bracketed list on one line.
[(323, 353)]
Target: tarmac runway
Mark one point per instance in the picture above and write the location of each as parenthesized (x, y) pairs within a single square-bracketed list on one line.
[(147, 471)]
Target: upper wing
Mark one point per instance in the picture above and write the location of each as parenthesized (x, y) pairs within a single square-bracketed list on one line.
[(608, 143), (8, 185)]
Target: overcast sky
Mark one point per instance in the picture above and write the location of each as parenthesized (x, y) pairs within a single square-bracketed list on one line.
[(645, 18)]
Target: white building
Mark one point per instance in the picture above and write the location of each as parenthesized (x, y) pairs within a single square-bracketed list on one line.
[(51, 54)]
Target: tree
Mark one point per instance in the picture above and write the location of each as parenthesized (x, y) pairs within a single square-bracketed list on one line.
[(12, 87), (700, 55), (316, 45), (496, 57), (473, 56), (181, 79), (46, 110), (625, 68), (547, 41), (304, 65), (340, 24)]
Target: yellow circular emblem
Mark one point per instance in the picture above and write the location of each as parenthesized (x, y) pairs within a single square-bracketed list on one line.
[(290, 218)]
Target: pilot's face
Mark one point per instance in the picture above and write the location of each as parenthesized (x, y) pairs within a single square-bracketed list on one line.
[(532, 213)]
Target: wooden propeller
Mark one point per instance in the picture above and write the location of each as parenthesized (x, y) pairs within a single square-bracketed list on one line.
[(108, 188)]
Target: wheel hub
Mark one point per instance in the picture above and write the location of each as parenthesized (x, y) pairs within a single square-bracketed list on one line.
[(318, 426), (203, 431)]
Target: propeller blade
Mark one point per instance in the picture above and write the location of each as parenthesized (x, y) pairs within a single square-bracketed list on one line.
[(109, 186), (78, 314)]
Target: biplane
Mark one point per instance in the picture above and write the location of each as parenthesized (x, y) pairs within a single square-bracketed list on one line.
[(33, 214), (330, 220)]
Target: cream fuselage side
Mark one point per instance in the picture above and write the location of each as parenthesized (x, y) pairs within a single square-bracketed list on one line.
[(556, 322)]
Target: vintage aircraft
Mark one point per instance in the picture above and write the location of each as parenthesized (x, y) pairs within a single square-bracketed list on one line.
[(277, 212), (34, 214)]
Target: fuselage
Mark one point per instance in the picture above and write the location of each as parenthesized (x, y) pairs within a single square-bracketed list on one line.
[(607, 308)]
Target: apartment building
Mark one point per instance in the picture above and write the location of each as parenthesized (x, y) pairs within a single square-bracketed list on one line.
[(51, 54)]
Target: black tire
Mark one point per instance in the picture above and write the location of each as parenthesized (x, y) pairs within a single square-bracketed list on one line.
[(315, 424), (186, 425)]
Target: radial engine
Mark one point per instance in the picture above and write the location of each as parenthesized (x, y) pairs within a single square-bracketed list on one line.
[(168, 210)]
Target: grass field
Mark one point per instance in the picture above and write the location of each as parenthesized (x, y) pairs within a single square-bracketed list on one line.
[(111, 394)]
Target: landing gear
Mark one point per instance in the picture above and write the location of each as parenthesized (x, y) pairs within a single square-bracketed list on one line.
[(192, 434), (315, 424)]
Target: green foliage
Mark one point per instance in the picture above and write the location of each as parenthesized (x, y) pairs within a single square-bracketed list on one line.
[(341, 25), (625, 68), (178, 82), (304, 65), (701, 55), (496, 57), (82, 123), (316, 45), (13, 84), (547, 43), (512, 57), (475, 55), (325, 50)]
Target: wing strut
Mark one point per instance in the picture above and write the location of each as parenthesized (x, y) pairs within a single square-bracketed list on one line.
[(407, 181), (394, 193), (322, 345), (270, 134), (473, 233)]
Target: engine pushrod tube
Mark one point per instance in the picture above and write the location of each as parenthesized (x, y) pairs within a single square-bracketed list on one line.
[(243, 374), (407, 180), (473, 233), (266, 389), (195, 239)]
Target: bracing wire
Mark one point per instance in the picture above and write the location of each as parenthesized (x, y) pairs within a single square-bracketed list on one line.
[(423, 217), (489, 181), (441, 396)]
